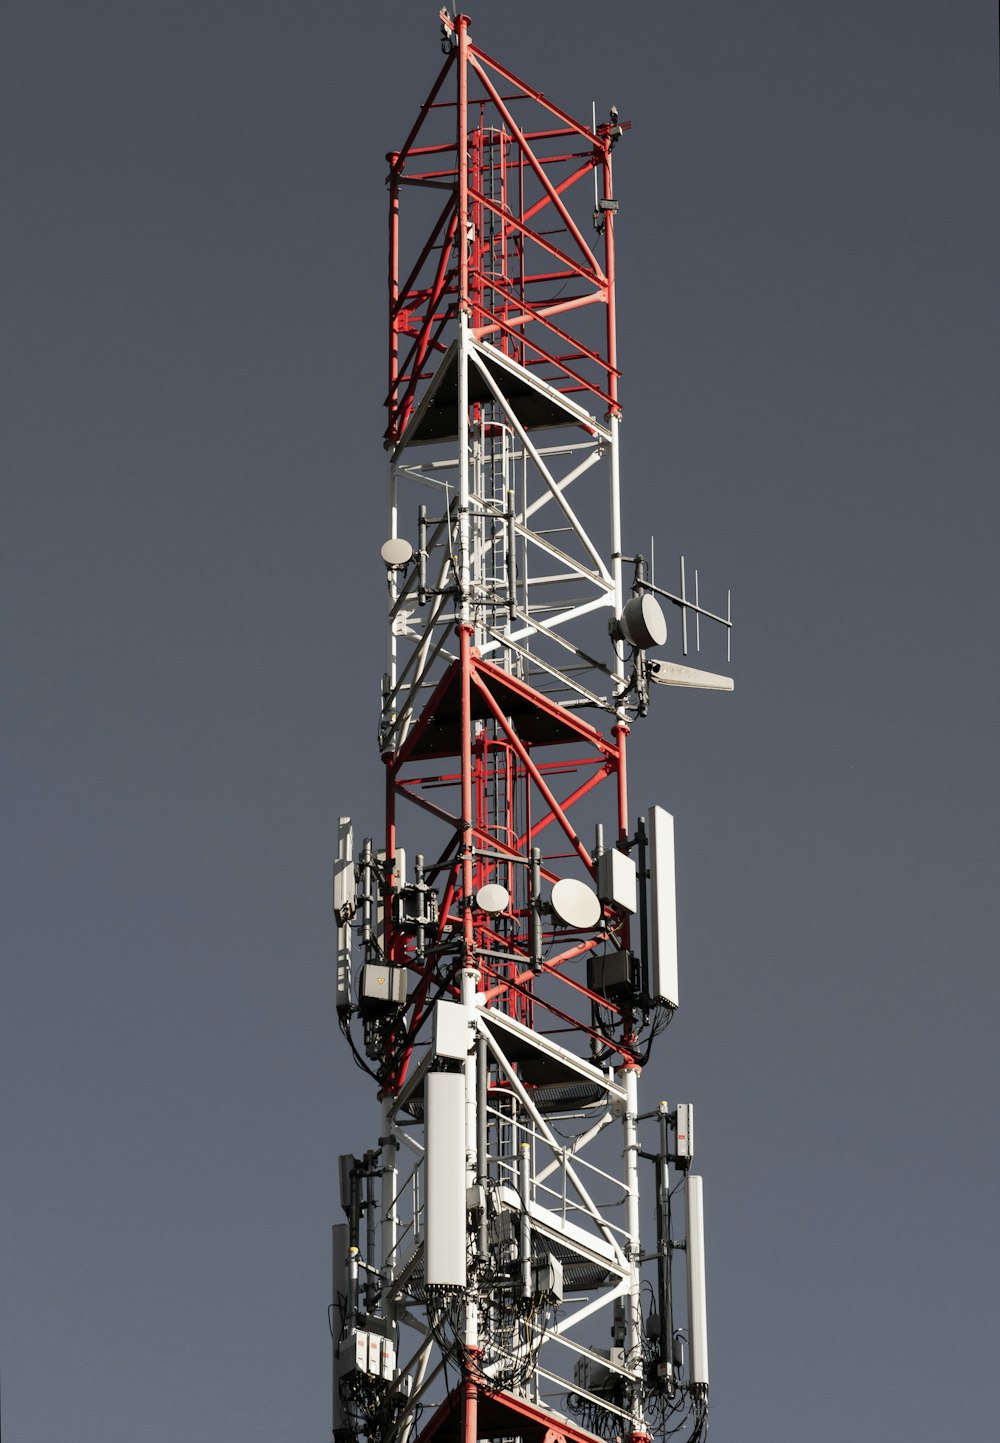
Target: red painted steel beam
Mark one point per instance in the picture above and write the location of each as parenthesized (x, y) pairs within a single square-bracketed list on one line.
[(425, 110), (547, 185), (588, 273), (534, 773), (529, 93)]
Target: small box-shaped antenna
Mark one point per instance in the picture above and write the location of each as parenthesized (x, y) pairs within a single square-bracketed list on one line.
[(616, 880), (452, 1038), (663, 908)]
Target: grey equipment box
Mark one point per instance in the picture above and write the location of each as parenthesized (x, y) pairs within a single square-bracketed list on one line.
[(383, 987)]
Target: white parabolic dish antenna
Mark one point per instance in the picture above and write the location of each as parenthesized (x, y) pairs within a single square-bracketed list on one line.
[(396, 551), (576, 904), (493, 898), (643, 622)]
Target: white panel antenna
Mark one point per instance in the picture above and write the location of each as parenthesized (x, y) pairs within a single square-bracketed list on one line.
[(341, 1235), (685, 1133), (697, 1305), (399, 870), (663, 909), (452, 1037), (343, 870), (617, 880), (445, 1178), (344, 886)]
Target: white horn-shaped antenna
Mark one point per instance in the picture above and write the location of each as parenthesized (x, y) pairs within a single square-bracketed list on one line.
[(672, 673)]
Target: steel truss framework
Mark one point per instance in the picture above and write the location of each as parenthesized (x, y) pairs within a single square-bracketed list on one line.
[(506, 978)]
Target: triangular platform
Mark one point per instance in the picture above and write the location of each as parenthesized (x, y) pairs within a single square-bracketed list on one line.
[(539, 720), (502, 1415), (529, 398)]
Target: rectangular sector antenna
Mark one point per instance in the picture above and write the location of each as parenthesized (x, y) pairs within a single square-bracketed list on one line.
[(341, 1242), (445, 1180), (663, 908), (685, 1133), (343, 867), (343, 902), (697, 1309)]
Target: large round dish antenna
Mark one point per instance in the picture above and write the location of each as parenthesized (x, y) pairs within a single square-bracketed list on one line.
[(576, 904), (642, 622)]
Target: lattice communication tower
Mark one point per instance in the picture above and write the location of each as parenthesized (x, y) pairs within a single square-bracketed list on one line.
[(503, 986)]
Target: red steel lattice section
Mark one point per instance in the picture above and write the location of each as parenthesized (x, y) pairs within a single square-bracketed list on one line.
[(493, 162), (505, 771)]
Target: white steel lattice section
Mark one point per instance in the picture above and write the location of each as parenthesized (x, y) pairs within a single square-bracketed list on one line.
[(538, 512), (573, 1201)]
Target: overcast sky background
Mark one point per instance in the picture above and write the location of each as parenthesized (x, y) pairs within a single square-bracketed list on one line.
[(193, 353)]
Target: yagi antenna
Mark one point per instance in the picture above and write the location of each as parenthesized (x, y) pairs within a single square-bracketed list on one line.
[(693, 604)]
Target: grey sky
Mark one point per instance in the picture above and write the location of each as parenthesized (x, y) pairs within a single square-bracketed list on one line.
[(193, 367)]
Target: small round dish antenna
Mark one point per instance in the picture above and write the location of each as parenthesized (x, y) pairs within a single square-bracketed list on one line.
[(642, 621), (576, 904), (396, 551), (493, 898)]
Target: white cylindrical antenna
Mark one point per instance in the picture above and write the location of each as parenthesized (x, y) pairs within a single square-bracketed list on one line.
[(697, 1308)]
